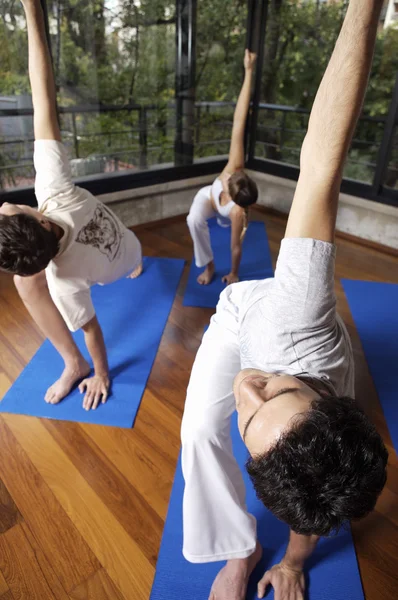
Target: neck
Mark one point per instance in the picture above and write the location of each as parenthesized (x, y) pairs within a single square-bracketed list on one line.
[(317, 385), (59, 232)]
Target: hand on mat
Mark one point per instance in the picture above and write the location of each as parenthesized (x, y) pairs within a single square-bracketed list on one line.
[(288, 583), (96, 389), (230, 278)]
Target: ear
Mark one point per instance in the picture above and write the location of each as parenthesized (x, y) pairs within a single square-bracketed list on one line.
[(46, 224)]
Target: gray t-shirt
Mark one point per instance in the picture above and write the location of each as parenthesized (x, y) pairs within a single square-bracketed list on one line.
[(289, 323)]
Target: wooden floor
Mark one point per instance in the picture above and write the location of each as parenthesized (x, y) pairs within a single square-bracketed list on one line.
[(83, 507)]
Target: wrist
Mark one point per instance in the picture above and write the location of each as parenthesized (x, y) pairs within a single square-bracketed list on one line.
[(292, 565), (101, 372)]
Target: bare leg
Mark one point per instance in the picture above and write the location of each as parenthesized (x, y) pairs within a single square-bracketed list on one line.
[(231, 582), (207, 275), (334, 115), (36, 297)]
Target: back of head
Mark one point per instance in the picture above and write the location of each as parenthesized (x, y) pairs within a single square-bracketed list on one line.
[(329, 468), (242, 189), (26, 247)]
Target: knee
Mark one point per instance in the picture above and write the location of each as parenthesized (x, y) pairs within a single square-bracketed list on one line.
[(200, 431), (195, 221), (29, 287)]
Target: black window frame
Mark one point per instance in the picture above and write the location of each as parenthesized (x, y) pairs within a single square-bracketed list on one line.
[(185, 167)]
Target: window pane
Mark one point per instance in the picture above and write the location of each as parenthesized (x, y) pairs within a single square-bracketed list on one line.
[(300, 37), (108, 53), (119, 53), (391, 177), (220, 46), (16, 132)]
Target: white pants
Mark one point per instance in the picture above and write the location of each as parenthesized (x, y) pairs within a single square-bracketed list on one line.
[(201, 211), (215, 520)]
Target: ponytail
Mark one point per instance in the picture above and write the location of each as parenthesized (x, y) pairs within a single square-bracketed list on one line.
[(245, 223)]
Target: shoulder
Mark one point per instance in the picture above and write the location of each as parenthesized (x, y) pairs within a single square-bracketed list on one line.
[(237, 213)]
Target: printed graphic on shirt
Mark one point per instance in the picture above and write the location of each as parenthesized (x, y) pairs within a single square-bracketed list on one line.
[(102, 232)]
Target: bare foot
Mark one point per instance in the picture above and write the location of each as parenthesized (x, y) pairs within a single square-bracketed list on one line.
[(231, 582), (136, 273), (65, 383), (207, 275)]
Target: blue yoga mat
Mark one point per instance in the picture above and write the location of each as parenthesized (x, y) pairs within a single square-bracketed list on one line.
[(256, 263), (333, 569), (374, 307), (133, 314)]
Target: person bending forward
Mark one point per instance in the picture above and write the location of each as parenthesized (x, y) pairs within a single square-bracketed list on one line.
[(71, 242), (277, 352), (229, 197)]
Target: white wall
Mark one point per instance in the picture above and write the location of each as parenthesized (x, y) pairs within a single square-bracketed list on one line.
[(391, 14), (362, 218)]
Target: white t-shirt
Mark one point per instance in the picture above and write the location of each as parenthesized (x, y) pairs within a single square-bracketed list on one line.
[(95, 248), (288, 323)]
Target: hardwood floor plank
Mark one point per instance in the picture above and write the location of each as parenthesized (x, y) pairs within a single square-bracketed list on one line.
[(17, 328), (159, 423), (53, 484), (137, 517), (376, 542), (5, 383), (11, 363), (3, 585), (140, 461), (20, 568), (72, 559), (97, 587), (109, 541), (46, 568), (9, 513)]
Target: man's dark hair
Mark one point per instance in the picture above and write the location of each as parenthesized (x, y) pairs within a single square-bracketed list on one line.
[(26, 247), (329, 468), (242, 189)]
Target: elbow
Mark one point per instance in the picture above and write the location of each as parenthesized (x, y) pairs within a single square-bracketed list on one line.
[(320, 162)]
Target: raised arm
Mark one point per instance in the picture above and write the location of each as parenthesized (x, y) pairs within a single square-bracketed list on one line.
[(41, 75), (236, 159), (332, 124)]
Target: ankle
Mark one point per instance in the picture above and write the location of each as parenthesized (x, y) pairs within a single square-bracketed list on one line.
[(238, 565), (75, 362)]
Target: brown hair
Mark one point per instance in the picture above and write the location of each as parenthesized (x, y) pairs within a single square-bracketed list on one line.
[(243, 191), (26, 247)]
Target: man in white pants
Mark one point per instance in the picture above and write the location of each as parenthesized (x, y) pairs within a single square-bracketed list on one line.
[(278, 353)]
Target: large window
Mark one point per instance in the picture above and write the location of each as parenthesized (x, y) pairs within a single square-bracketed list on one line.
[(299, 40), (152, 85), (113, 55), (221, 38), (16, 132), (114, 64)]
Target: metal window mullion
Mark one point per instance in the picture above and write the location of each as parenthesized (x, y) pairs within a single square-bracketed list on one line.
[(262, 12), (186, 11), (386, 143)]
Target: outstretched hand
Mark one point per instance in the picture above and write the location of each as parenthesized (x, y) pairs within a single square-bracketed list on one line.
[(249, 60), (288, 583)]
